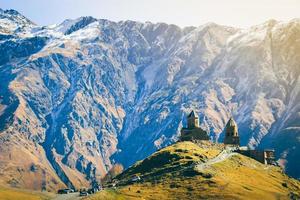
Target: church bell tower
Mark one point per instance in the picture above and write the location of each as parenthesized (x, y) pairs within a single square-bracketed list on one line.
[(193, 120), (231, 133)]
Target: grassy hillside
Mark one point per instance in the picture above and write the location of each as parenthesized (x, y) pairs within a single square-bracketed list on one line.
[(182, 171), (17, 194)]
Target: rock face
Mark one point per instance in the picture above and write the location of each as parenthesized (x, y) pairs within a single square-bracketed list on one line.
[(77, 97)]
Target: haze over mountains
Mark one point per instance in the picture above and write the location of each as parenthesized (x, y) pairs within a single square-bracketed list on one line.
[(77, 97)]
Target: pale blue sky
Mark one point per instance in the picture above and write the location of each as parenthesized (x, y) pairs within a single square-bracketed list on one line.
[(241, 13)]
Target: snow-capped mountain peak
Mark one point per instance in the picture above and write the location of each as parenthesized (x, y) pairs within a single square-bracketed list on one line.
[(12, 22)]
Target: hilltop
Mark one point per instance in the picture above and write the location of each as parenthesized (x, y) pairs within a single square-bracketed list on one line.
[(187, 170)]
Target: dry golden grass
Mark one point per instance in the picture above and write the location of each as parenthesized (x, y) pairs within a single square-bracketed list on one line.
[(17, 194), (108, 195), (193, 150), (237, 177), (171, 158), (251, 179)]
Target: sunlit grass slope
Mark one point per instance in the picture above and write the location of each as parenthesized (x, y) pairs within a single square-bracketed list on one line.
[(172, 173), (17, 194)]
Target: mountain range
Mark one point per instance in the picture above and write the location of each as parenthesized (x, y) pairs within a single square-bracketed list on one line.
[(80, 96)]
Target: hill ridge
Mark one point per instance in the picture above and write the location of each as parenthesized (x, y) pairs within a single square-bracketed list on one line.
[(217, 173)]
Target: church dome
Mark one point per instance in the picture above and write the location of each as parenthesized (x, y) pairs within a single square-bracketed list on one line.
[(231, 123), (231, 133), (193, 115), (231, 128)]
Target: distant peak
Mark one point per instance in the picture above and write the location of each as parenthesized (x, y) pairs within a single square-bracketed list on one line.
[(80, 23), (213, 25), (15, 21), (12, 12), (210, 24), (271, 23)]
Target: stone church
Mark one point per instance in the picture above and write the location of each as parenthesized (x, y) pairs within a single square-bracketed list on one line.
[(231, 133), (232, 138), (193, 130)]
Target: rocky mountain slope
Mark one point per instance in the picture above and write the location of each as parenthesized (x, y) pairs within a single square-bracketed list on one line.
[(187, 170), (77, 97)]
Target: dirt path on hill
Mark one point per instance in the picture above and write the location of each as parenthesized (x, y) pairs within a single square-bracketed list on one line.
[(70, 196), (225, 154)]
